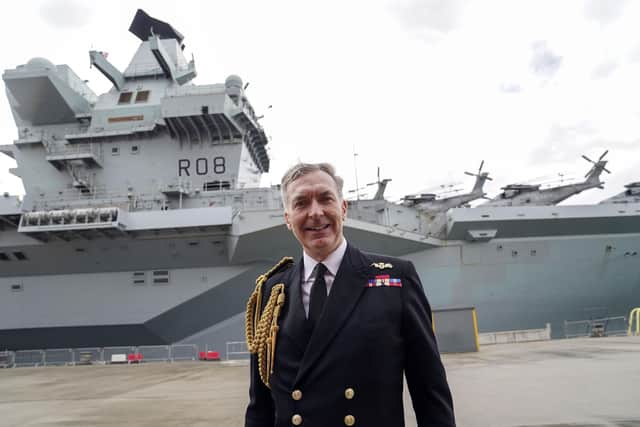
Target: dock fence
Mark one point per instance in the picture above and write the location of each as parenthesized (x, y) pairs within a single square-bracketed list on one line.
[(155, 353), (87, 356), (516, 336), (602, 327), (108, 353), (100, 355), (58, 357), (29, 358), (184, 352), (7, 359), (237, 350)]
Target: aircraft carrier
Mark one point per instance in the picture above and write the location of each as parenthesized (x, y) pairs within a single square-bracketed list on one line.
[(143, 221)]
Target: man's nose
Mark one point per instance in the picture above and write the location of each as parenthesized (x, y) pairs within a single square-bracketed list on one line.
[(315, 209)]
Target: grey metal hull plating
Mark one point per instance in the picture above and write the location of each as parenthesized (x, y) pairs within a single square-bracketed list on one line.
[(513, 283), (530, 282)]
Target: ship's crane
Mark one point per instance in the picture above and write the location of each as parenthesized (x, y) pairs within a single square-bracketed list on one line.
[(527, 194)]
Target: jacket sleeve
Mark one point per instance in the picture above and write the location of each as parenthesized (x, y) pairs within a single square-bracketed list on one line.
[(260, 411), (424, 371)]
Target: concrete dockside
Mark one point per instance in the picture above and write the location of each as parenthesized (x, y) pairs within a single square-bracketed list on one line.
[(578, 382)]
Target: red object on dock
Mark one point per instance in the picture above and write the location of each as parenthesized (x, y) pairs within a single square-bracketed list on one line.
[(209, 355), (134, 357)]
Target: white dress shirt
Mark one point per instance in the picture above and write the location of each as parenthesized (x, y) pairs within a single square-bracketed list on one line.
[(332, 262)]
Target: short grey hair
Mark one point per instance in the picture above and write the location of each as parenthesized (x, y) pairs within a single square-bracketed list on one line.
[(298, 170)]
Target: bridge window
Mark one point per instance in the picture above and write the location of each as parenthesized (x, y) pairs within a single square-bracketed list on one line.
[(125, 97), (4, 257), (115, 151), (16, 287), (20, 256), (142, 96), (216, 185)]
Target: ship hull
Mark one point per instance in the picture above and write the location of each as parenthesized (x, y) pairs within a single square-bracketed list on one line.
[(526, 283), (513, 284)]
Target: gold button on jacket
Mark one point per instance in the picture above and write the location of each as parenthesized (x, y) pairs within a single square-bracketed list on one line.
[(349, 420), (349, 393), (296, 420), (296, 395)]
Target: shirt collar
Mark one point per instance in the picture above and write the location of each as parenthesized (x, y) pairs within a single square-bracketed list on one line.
[(332, 261)]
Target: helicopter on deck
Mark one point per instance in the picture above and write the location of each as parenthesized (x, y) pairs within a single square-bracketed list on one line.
[(630, 195), (430, 203), (532, 194)]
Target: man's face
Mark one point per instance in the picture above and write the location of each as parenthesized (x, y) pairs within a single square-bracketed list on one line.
[(315, 213)]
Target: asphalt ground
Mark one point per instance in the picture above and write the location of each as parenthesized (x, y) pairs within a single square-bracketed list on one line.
[(579, 382)]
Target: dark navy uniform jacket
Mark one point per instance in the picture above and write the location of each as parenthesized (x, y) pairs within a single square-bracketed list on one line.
[(350, 370)]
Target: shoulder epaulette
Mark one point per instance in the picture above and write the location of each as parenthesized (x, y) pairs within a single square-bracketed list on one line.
[(282, 265)]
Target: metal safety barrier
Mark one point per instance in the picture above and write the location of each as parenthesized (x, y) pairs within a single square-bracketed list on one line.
[(155, 353), (237, 350), (518, 336), (7, 359), (58, 357), (602, 327), (634, 315), (615, 326), (87, 356), (106, 355), (184, 352), (29, 358)]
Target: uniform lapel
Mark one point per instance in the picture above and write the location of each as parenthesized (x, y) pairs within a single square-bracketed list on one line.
[(295, 322), (345, 292)]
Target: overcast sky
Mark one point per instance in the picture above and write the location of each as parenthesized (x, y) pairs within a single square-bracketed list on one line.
[(424, 89)]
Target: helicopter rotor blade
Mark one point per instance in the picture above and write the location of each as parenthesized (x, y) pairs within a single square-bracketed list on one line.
[(590, 172), (587, 159), (480, 168), (603, 154)]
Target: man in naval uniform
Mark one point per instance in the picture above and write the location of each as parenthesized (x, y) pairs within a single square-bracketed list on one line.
[(349, 326)]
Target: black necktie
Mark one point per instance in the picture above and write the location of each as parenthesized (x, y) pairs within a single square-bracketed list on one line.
[(318, 295)]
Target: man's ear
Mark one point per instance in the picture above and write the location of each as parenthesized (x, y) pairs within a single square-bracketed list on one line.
[(286, 219), (344, 210)]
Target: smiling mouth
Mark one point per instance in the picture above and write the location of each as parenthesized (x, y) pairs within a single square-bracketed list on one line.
[(318, 228)]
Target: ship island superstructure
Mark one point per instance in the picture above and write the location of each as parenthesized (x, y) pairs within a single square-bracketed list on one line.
[(143, 221)]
